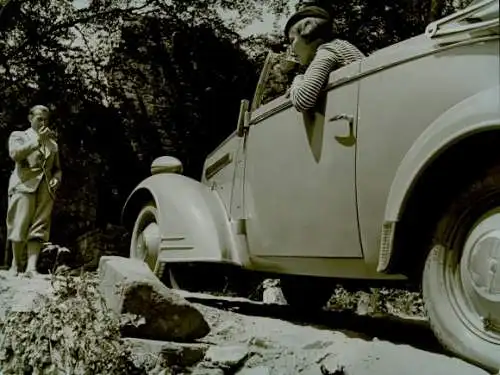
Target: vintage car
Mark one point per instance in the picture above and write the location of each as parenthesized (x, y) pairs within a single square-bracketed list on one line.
[(393, 177)]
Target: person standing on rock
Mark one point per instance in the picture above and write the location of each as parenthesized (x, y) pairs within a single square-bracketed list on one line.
[(32, 187)]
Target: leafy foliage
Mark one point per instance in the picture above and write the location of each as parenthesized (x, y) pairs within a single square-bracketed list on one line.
[(379, 301), (71, 333), (374, 25), (158, 81)]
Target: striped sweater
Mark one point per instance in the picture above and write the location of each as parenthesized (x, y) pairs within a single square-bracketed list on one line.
[(307, 87)]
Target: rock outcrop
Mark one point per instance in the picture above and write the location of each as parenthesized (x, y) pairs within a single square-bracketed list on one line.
[(130, 287)]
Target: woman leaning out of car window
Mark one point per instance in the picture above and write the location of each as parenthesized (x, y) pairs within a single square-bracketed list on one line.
[(313, 42)]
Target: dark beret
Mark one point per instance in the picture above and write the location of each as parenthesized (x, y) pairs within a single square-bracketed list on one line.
[(308, 11)]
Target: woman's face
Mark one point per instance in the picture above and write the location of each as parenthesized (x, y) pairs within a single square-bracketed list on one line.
[(303, 49)]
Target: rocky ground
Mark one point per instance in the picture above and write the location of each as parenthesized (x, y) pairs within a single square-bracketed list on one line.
[(190, 338)]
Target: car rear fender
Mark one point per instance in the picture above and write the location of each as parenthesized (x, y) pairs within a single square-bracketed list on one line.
[(478, 113), (193, 223)]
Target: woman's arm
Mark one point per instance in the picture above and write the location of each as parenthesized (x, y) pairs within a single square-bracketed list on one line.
[(306, 88)]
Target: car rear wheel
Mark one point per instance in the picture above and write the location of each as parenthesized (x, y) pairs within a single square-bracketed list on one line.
[(145, 242), (213, 278), (461, 278), (145, 246)]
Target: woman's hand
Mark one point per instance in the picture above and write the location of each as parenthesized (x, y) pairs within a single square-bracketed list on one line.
[(296, 81)]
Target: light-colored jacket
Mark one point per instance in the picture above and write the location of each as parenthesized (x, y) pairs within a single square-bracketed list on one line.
[(32, 161)]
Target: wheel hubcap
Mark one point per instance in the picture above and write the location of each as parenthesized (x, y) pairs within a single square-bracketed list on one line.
[(483, 266), (148, 244), (480, 275)]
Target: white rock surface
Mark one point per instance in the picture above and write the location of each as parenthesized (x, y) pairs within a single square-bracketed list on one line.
[(20, 293), (259, 370), (227, 356), (284, 348), (149, 352)]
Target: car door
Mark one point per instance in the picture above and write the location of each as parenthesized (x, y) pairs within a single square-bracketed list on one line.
[(300, 193)]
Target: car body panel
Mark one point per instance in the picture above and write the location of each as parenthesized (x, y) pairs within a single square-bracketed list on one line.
[(436, 82), (219, 169), (295, 169), (339, 268), (476, 114), (480, 112)]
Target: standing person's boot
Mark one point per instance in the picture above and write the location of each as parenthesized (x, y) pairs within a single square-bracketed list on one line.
[(34, 248), (17, 256)]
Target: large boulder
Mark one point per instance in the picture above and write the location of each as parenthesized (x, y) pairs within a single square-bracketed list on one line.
[(130, 287)]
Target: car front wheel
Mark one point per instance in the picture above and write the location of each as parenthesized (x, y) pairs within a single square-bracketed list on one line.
[(461, 278)]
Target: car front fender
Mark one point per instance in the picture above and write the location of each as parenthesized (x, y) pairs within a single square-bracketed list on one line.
[(480, 112), (193, 223)]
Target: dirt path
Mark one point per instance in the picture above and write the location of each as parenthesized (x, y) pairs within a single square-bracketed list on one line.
[(271, 346), (398, 329), (284, 348)]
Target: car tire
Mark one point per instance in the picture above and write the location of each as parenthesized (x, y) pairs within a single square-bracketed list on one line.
[(461, 277), (145, 246), (145, 240)]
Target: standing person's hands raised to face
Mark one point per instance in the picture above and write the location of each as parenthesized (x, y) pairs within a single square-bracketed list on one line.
[(44, 134), (40, 124)]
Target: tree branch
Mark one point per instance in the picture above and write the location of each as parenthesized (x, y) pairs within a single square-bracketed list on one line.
[(91, 53), (86, 17)]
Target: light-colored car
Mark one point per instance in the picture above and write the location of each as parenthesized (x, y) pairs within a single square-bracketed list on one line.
[(395, 176)]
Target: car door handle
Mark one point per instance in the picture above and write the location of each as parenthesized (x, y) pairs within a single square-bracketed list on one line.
[(343, 116), (350, 139)]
